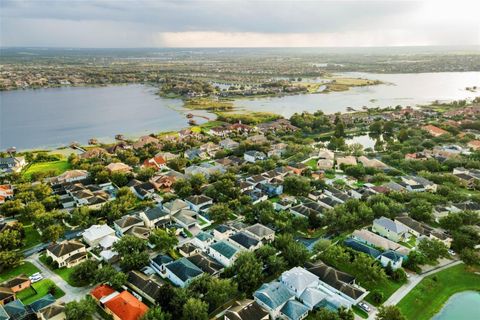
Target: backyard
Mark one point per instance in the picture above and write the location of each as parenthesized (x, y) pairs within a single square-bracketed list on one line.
[(64, 273), (429, 296), (58, 167), (25, 268), (42, 288)]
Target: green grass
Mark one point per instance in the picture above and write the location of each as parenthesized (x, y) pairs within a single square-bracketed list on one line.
[(429, 296), (42, 288), (58, 166), (387, 288), (411, 243), (32, 237), (25, 268), (360, 312), (312, 163), (64, 273)]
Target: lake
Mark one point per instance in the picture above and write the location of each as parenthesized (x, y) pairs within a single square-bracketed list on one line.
[(461, 306), (409, 89), (57, 116)]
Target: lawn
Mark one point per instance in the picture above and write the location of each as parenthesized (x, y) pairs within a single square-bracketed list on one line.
[(429, 296), (58, 166), (360, 312), (32, 237), (65, 273), (312, 163), (25, 268), (42, 288), (387, 288)]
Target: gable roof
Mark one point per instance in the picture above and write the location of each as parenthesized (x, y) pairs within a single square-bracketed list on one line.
[(154, 213), (198, 199), (362, 247), (260, 230), (65, 247), (15, 309), (148, 286), (273, 294), (206, 264), (184, 269), (225, 249), (127, 221), (294, 310), (246, 310), (126, 307), (101, 291), (391, 225), (43, 302), (97, 231), (244, 240), (52, 311)]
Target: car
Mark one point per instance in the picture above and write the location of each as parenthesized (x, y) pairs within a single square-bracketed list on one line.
[(35, 278), (451, 252), (364, 306), (183, 234)]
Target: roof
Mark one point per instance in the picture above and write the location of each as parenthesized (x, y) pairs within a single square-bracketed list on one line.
[(52, 311), (312, 296), (101, 291), (392, 255), (15, 309), (43, 302), (175, 205), (206, 264), (15, 281), (184, 269), (379, 241), (362, 247), (391, 225), (225, 249), (336, 279), (294, 310), (434, 131), (118, 166), (148, 286), (244, 240), (413, 224), (65, 247), (126, 307), (198, 199), (203, 236), (222, 228), (273, 294), (260, 230), (298, 279), (127, 221), (246, 310), (97, 231), (162, 259), (5, 293)]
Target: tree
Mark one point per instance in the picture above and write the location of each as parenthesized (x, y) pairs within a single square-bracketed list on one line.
[(376, 127), (213, 290), (120, 179), (377, 296), (84, 273), (163, 239), (357, 171), (182, 188), (80, 310), (220, 212), (156, 313), (296, 185), (9, 259), (110, 275), (249, 272), (325, 314), (133, 252), (33, 209), (11, 208), (195, 309), (10, 239), (470, 256), (432, 249), (81, 217), (389, 313), (295, 254), (53, 233), (421, 210), (322, 245)]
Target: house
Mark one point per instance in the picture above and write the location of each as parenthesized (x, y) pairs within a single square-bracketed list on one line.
[(228, 144), (159, 262), (420, 229), (145, 286), (372, 163), (390, 229), (139, 232), (90, 195), (126, 222), (298, 279), (256, 195), (297, 168), (93, 235), (197, 202), (144, 141), (108, 254), (41, 303), (195, 153), (16, 310), (272, 297), (67, 253), (17, 283), (223, 252), (186, 218), (391, 258), (388, 257), (244, 241), (162, 182), (175, 206), (181, 272), (257, 139), (203, 240), (6, 192), (222, 232), (155, 217), (294, 310), (210, 148), (205, 169), (346, 161), (70, 176), (121, 306), (375, 240), (54, 311), (92, 153), (434, 131), (167, 155), (156, 163), (118, 167), (253, 155), (261, 233), (12, 164), (6, 295), (326, 154), (188, 249), (416, 183), (324, 164), (245, 310), (277, 149)]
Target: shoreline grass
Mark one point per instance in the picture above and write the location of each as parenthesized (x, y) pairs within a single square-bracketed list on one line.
[(431, 294)]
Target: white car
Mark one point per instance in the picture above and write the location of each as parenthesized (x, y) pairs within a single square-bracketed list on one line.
[(451, 252), (364, 306), (35, 277)]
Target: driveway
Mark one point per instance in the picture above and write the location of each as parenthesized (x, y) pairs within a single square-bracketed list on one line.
[(412, 282), (71, 293)]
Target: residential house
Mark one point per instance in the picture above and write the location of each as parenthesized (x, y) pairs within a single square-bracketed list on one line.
[(261, 233), (202, 240), (6, 192), (12, 164), (54, 311), (93, 235), (118, 167), (257, 139), (145, 286), (197, 202), (390, 229), (195, 153), (157, 163), (186, 218), (93, 196), (143, 190), (298, 279), (17, 283), (159, 262), (121, 306), (205, 263), (188, 249), (126, 222), (210, 148), (93, 153), (372, 163), (155, 217), (385, 258), (244, 241), (174, 206), (418, 184), (139, 232), (16, 310), (70, 176), (67, 253), (162, 182), (277, 149), (245, 310), (324, 164), (181, 272), (272, 297), (253, 155), (224, 252), (145, 141), (346, 161), (326, 154), (434, 131), (206, 169), (229, 144), (222, 232), (373, 239), (6, 295)]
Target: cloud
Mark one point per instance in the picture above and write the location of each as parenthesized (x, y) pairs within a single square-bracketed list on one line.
[(188, 23)]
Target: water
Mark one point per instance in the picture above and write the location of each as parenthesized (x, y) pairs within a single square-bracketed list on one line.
[(461, 306), (57, 116), (399, 89)]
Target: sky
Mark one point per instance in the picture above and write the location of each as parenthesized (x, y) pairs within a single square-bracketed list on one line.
[(237, 23)]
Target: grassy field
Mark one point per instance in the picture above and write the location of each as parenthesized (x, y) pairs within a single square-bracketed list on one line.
[(25, 268), (58, 166), (429, 296), (42, 288), (312, 163), (32, 237)]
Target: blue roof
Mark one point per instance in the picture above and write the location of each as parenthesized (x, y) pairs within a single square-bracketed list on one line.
[(184, 269), (225, 249), (203, 236), (362, 247), (392, 255), (162, 259), (273, 294), (294, 310), (3, 314), (43, 302), (15, 309)]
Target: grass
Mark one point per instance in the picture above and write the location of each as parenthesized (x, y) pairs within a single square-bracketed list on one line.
[(312, 163), (429, 296), (411, 243), (25, 268), (32, 237), (58, 167), (64, 273), (387, 288), (360, 312), (42, 288), (247, 118)]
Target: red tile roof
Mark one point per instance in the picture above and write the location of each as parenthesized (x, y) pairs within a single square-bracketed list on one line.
[(126, 307), (434, 131), (101, 291)]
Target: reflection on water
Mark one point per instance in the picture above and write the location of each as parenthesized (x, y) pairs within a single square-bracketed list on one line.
[(461, 306)]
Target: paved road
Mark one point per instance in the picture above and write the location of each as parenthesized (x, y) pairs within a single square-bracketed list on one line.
[(71, 293), (412, 282)]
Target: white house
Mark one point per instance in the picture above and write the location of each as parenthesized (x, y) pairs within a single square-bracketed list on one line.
[(181, 272), (223, 252), (298, 279), (93, 235), (253, 155)]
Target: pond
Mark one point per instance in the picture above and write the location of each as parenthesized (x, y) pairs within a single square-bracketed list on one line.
[(461, 306), (57, 116)]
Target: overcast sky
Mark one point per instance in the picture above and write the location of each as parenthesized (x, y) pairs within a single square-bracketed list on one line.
[(237, 23)]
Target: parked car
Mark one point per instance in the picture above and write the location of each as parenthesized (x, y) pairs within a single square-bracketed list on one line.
[(364, 306), (35, 277), (451, 252)]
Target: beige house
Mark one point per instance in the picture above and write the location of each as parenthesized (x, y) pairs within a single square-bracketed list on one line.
[(118, 167), (67, 253), (52, 312)]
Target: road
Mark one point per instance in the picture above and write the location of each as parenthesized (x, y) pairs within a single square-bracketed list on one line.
[(412, 282), (71, 293)]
